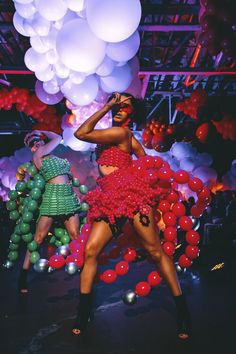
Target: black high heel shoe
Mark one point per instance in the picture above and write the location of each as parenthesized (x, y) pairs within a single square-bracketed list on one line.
[(22, 281), (183, 318), (83, 314)]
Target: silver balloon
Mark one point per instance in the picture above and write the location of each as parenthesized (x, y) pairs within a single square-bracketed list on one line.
[(63, 251), (196, 223), (71, 268), (41, 265), (129, 298), (51, 269), (179, 269), (8, 264)]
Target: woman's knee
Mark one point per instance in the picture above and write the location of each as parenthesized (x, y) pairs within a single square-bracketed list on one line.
[(73, 234), (90, 252)]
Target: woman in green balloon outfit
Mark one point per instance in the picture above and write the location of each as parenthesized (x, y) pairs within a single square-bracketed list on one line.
[(58, 200)]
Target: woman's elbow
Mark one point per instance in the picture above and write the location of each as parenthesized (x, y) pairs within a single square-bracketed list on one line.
[(79, 135)]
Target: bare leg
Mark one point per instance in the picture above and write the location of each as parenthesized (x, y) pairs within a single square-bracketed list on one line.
[(151, 241), (43, 226), (72, 226), (100, 235)]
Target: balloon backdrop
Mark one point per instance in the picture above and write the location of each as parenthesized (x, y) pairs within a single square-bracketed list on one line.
[(89, 44)]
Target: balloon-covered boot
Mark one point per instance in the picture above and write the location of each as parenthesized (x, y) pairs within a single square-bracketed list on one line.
[(183, 318), (83, 314), (22, 281)]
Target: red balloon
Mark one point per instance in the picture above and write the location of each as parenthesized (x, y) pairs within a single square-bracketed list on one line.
[(169, 218), (196, 211), (86, 229), (143, 288), (130, 255), (181, 176), (204, 194), (76, 247), (147, 138), (184, 261), (57, 261), (122, 268), (202, 132), (173, 197), (179, 209), (195, 184), (109, 276), (154, 278), (78, 259), (192, 237), (82, 239), (164, 173), (185, 223), (164, 206), (157, 162), (192, 252), (169, 248), (170, 234)]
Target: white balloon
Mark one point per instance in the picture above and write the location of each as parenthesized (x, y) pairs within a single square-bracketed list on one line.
[(35, 61), (182, 149), (75, 5), (25, 10), (23, 1), (28, 27), (61, 70), (106, 67), (125, 50), (205, 173), (46, 74), (51, 86), (52, 56), (78, 48), (41, 25), (52, 10), (77, 78), (119, 80), (74, 143), (38, 45), (18, 23), (46, 97), (50, 39), (70, 15), (81, 94), (113, 21), (187, 164)]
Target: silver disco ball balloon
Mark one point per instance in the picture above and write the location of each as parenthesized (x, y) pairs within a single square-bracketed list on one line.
[(71, 268), (41, 265), (63, 251), (179, 270), (129, 298), (8, 264)]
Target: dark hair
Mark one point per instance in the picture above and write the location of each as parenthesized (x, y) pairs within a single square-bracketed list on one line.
[(139, 114)]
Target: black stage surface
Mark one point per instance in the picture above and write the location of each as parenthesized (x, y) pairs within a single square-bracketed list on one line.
[(40, 322)]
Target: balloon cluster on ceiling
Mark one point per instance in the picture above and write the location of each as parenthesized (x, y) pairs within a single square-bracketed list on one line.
[(80, 48), (217, 19)]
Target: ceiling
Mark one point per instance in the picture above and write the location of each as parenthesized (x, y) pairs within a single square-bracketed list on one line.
[(171, 62)]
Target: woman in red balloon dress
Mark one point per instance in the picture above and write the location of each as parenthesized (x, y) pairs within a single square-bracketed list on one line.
[(126, 191)]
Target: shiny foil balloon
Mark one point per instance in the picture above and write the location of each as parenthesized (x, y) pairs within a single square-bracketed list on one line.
[(71, 268), (63, 251), (41, 265), (8, 264), (129, 298)]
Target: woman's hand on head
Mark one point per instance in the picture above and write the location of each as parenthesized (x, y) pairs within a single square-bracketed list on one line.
[(117, 99)]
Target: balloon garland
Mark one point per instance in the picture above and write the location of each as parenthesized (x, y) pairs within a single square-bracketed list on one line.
[(23, 206), (45, 116)]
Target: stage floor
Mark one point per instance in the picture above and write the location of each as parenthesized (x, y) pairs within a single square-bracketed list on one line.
[(40, 322)]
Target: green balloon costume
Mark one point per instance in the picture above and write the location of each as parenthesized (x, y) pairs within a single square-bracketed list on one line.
[(57, 199)]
